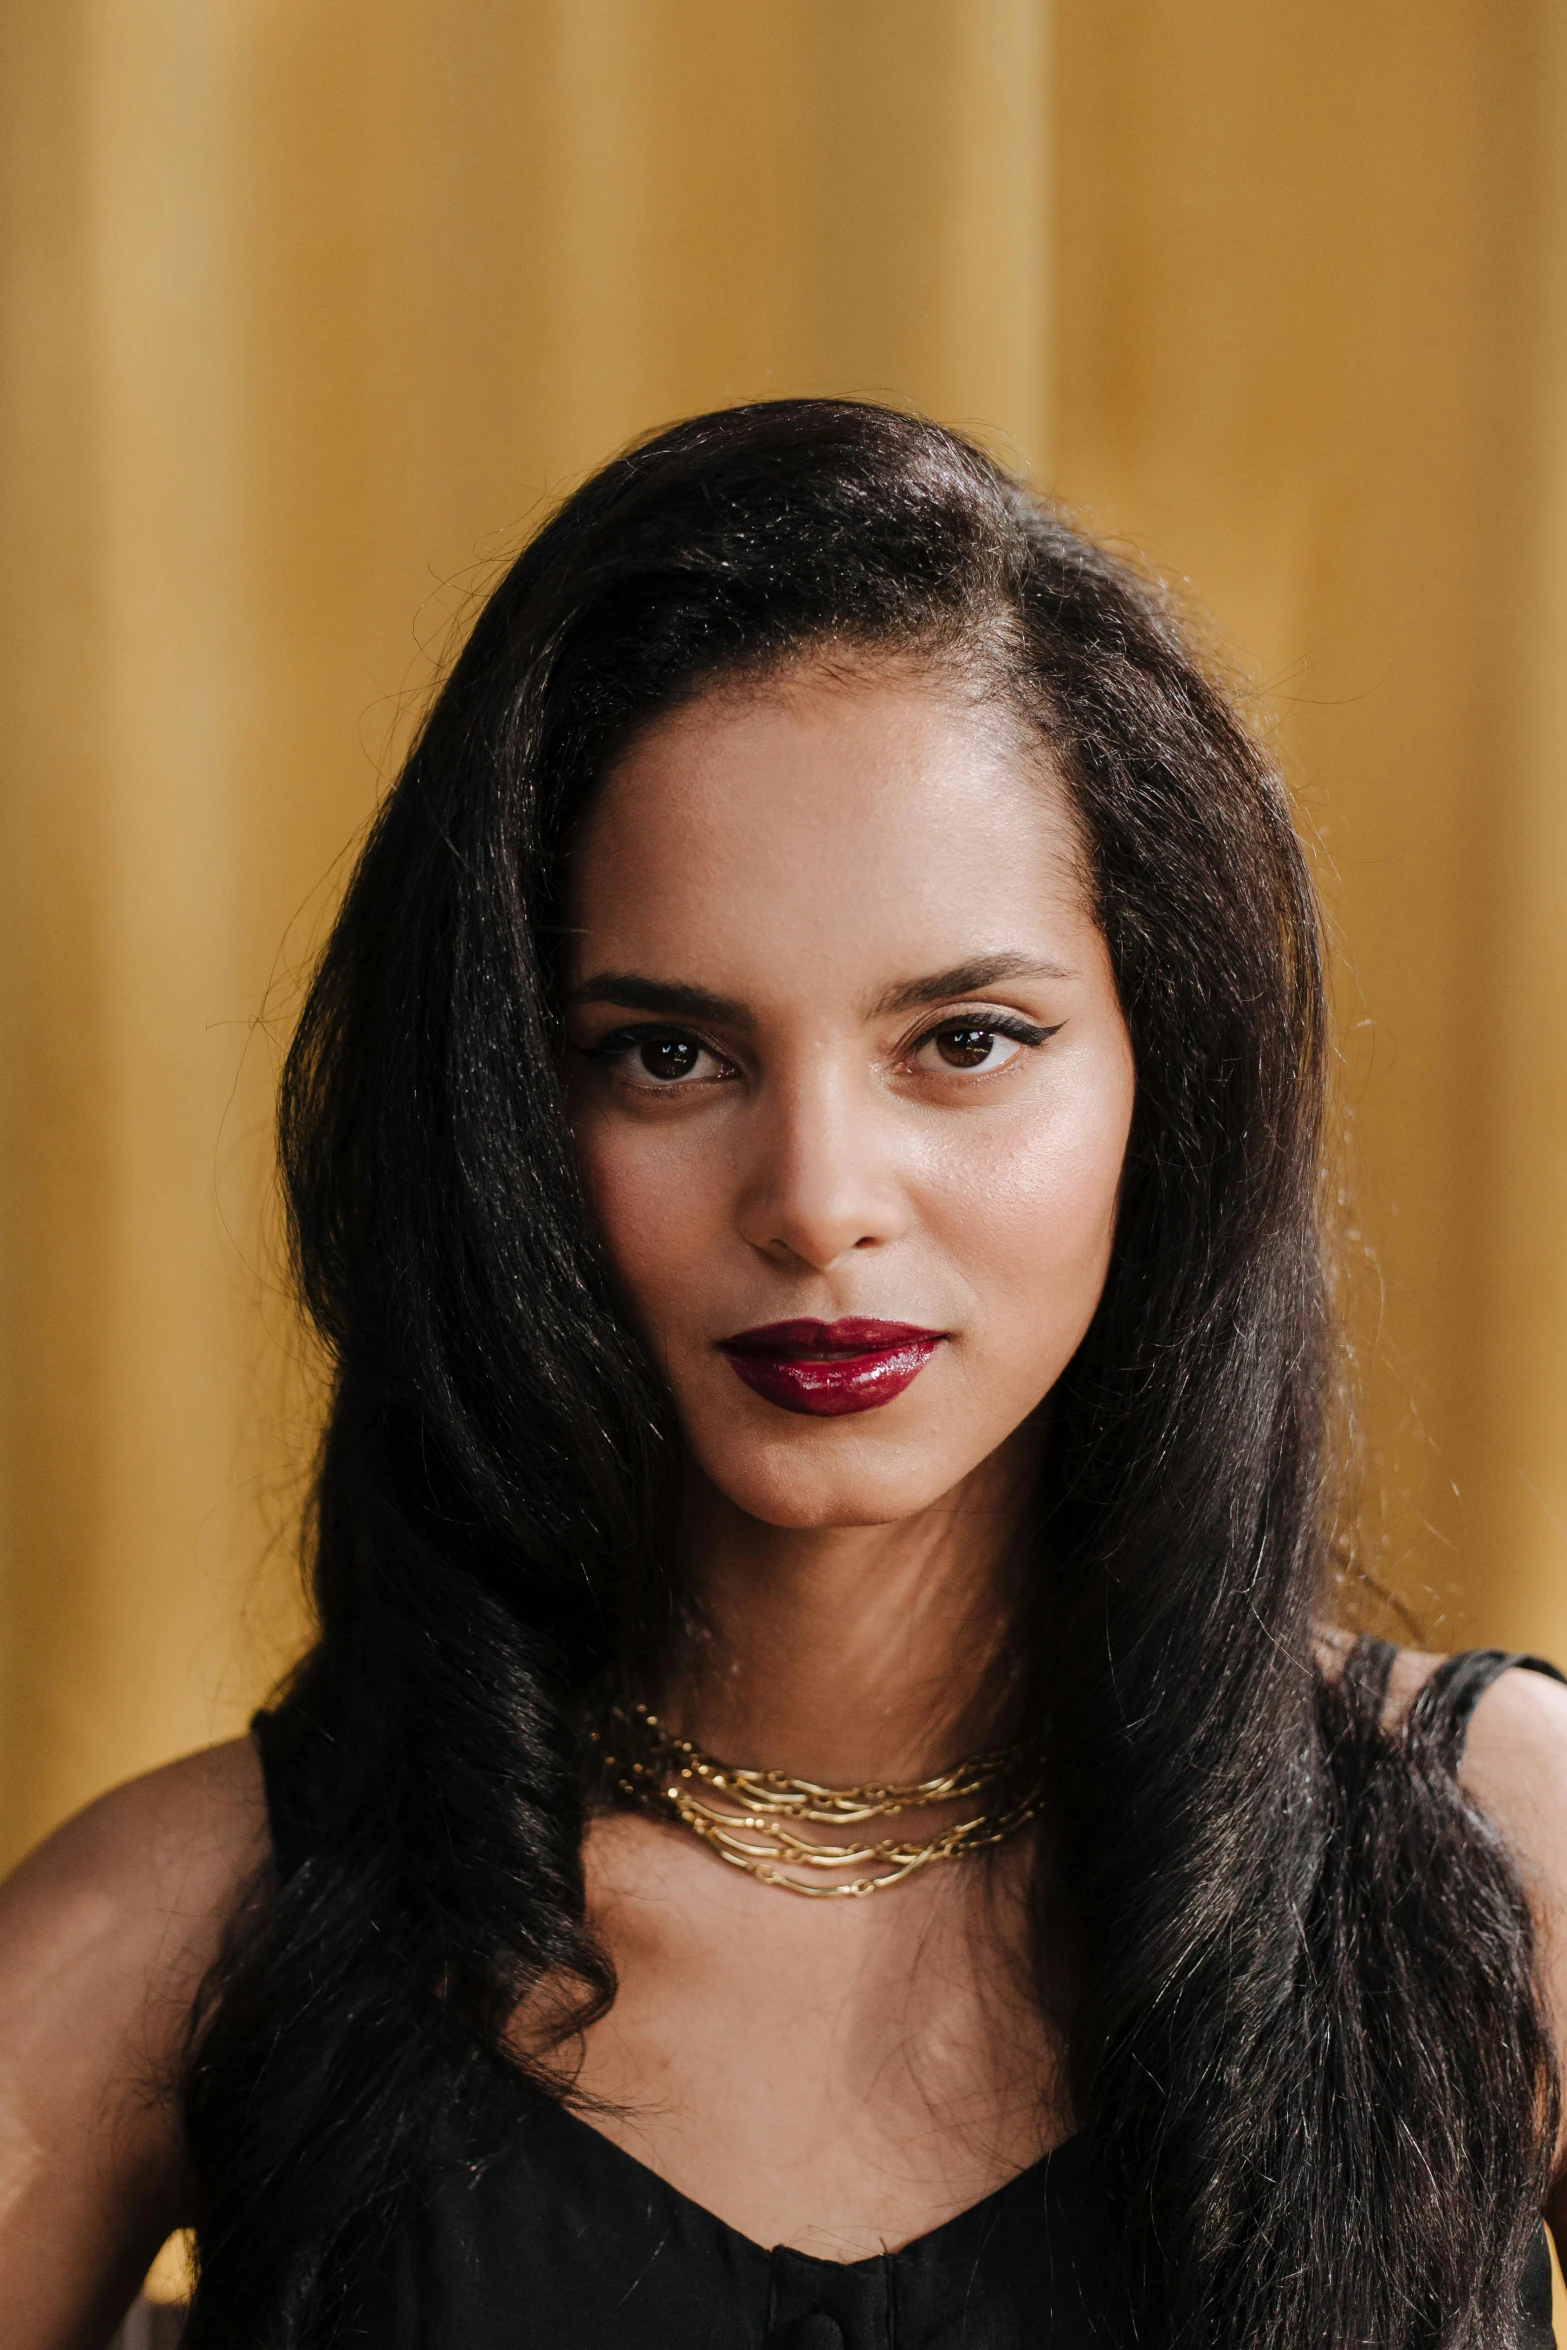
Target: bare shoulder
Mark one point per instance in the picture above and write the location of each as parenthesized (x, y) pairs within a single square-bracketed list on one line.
[(165, 1839), (1515, 1756), (119, 1913), (105, 1933), (1514, 1762), (1515, 1766)]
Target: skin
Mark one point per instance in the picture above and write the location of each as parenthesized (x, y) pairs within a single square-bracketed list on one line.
[(838, 2076), (822, 1156)]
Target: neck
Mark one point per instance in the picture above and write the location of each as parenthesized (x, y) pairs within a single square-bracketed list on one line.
[(852, 1654)]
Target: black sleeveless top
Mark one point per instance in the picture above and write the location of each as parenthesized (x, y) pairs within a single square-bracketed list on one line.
[(562, 2241)]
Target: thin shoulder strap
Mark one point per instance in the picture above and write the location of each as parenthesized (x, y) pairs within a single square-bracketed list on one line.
[(1368, 1668), (281, 1744), (1445, 1705)]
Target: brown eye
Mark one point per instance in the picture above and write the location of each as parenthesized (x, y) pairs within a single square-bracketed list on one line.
[(658, 1060), (965, 1048), (667, 1057), (978, 1047)]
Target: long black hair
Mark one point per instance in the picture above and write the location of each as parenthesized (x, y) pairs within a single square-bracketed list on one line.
[(1307, 2045)]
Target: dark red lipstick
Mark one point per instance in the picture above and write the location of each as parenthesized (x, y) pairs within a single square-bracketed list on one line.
[(829, 1368)]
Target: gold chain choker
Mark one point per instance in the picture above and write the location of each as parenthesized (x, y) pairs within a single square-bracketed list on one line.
[(752, 1819)]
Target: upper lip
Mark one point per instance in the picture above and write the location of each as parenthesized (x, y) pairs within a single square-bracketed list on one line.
[(855, 1334)]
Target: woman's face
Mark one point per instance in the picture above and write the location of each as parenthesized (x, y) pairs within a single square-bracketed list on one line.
[(849, 1083)]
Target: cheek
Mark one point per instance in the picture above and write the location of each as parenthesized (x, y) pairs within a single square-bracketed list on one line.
[(1029, 1218), (659, 1210)]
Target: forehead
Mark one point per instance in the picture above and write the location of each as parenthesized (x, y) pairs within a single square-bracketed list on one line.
[(845, 822)]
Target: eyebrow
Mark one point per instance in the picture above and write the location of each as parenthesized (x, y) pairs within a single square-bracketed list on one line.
[(631, 992), (975, 978), (679, 1000)]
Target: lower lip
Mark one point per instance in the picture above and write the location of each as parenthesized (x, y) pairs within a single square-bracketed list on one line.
[(826, 1387)]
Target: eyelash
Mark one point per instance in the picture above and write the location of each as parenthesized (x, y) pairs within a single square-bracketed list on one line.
[(1009, 1024), (621, 1042)]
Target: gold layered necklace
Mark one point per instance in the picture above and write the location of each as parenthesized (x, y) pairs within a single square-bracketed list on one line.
[(758, 1820)]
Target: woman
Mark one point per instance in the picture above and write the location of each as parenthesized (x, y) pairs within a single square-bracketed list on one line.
[(805, 1148)]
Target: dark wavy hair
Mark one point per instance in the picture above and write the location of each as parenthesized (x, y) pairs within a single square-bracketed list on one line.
[(1307, 2043)]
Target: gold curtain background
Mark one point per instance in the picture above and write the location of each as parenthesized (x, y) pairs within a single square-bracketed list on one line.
[(309, 306)]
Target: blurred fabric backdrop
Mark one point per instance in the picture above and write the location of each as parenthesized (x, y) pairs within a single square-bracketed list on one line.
[(310, 306)]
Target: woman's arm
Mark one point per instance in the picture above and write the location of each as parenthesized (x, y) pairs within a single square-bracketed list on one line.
[(105, 1933)]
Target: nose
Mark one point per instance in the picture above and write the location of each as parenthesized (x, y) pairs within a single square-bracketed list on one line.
[(823, 1177)]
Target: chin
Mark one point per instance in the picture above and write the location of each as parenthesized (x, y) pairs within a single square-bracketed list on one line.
[(814, 1486)]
